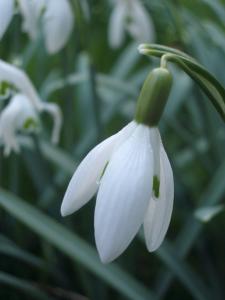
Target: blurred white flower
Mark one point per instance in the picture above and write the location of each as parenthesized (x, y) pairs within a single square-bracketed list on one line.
[(133, 177), (57, 24), (18, 115), (54, 17), (22, 84), (130, 16), (6, 14)]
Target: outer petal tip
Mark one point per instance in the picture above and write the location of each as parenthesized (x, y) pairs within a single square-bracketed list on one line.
[(153, 247), (106, 252), (105, 257), (65, 210), (67, 207)]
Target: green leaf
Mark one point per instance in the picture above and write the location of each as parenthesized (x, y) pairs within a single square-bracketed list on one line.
[(73, 246), (23, 286), (54, 154), (183, 272), (7, 247), (207, 82), (192, 228), (125, 62), (217, 8), (207, 213)]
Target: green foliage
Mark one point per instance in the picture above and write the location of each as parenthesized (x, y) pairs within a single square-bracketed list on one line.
[(42, 255)]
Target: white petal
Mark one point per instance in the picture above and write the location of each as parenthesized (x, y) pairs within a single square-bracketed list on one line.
[(12, 118), (116, 24), (8, 119), (124, 133), (25, 110), (21, 81), (6, 14), (31, 12), (159, 212), (141, 26), (7, 131), (85, 180), (156, 145), (58, 24), (124, 194)]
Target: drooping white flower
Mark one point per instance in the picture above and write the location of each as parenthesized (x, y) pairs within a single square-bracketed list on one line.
[(55, 18), (18, 115), (57, 21), (57, 24), (20, 82), (133, 177), (130, 16)]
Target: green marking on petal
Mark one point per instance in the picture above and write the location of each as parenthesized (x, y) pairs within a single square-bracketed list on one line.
[(156, 185), (103, 171), (4, 86), (30, 124)]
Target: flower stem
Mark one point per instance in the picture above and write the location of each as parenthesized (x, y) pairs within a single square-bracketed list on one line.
[(164, 59)]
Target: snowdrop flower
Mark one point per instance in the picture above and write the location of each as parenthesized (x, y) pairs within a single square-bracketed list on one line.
[(132, 176), (18, 115), (57, 24), (54, 17), (20, 82), (130, 16)]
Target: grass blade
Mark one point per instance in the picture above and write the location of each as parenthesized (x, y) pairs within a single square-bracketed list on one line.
[(73, 246), (23, 286), (192, 227)]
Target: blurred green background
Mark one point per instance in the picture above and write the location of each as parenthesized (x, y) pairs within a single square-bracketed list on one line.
[(45, 256)]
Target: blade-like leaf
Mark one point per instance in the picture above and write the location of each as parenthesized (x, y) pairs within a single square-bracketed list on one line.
[(73, 246), (23, 286), (192, 227), (7, 247), (206, 213), (183, 272), (52, 153)]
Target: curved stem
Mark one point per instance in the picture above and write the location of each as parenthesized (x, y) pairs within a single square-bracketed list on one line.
[(164, 59), (207, 82)]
